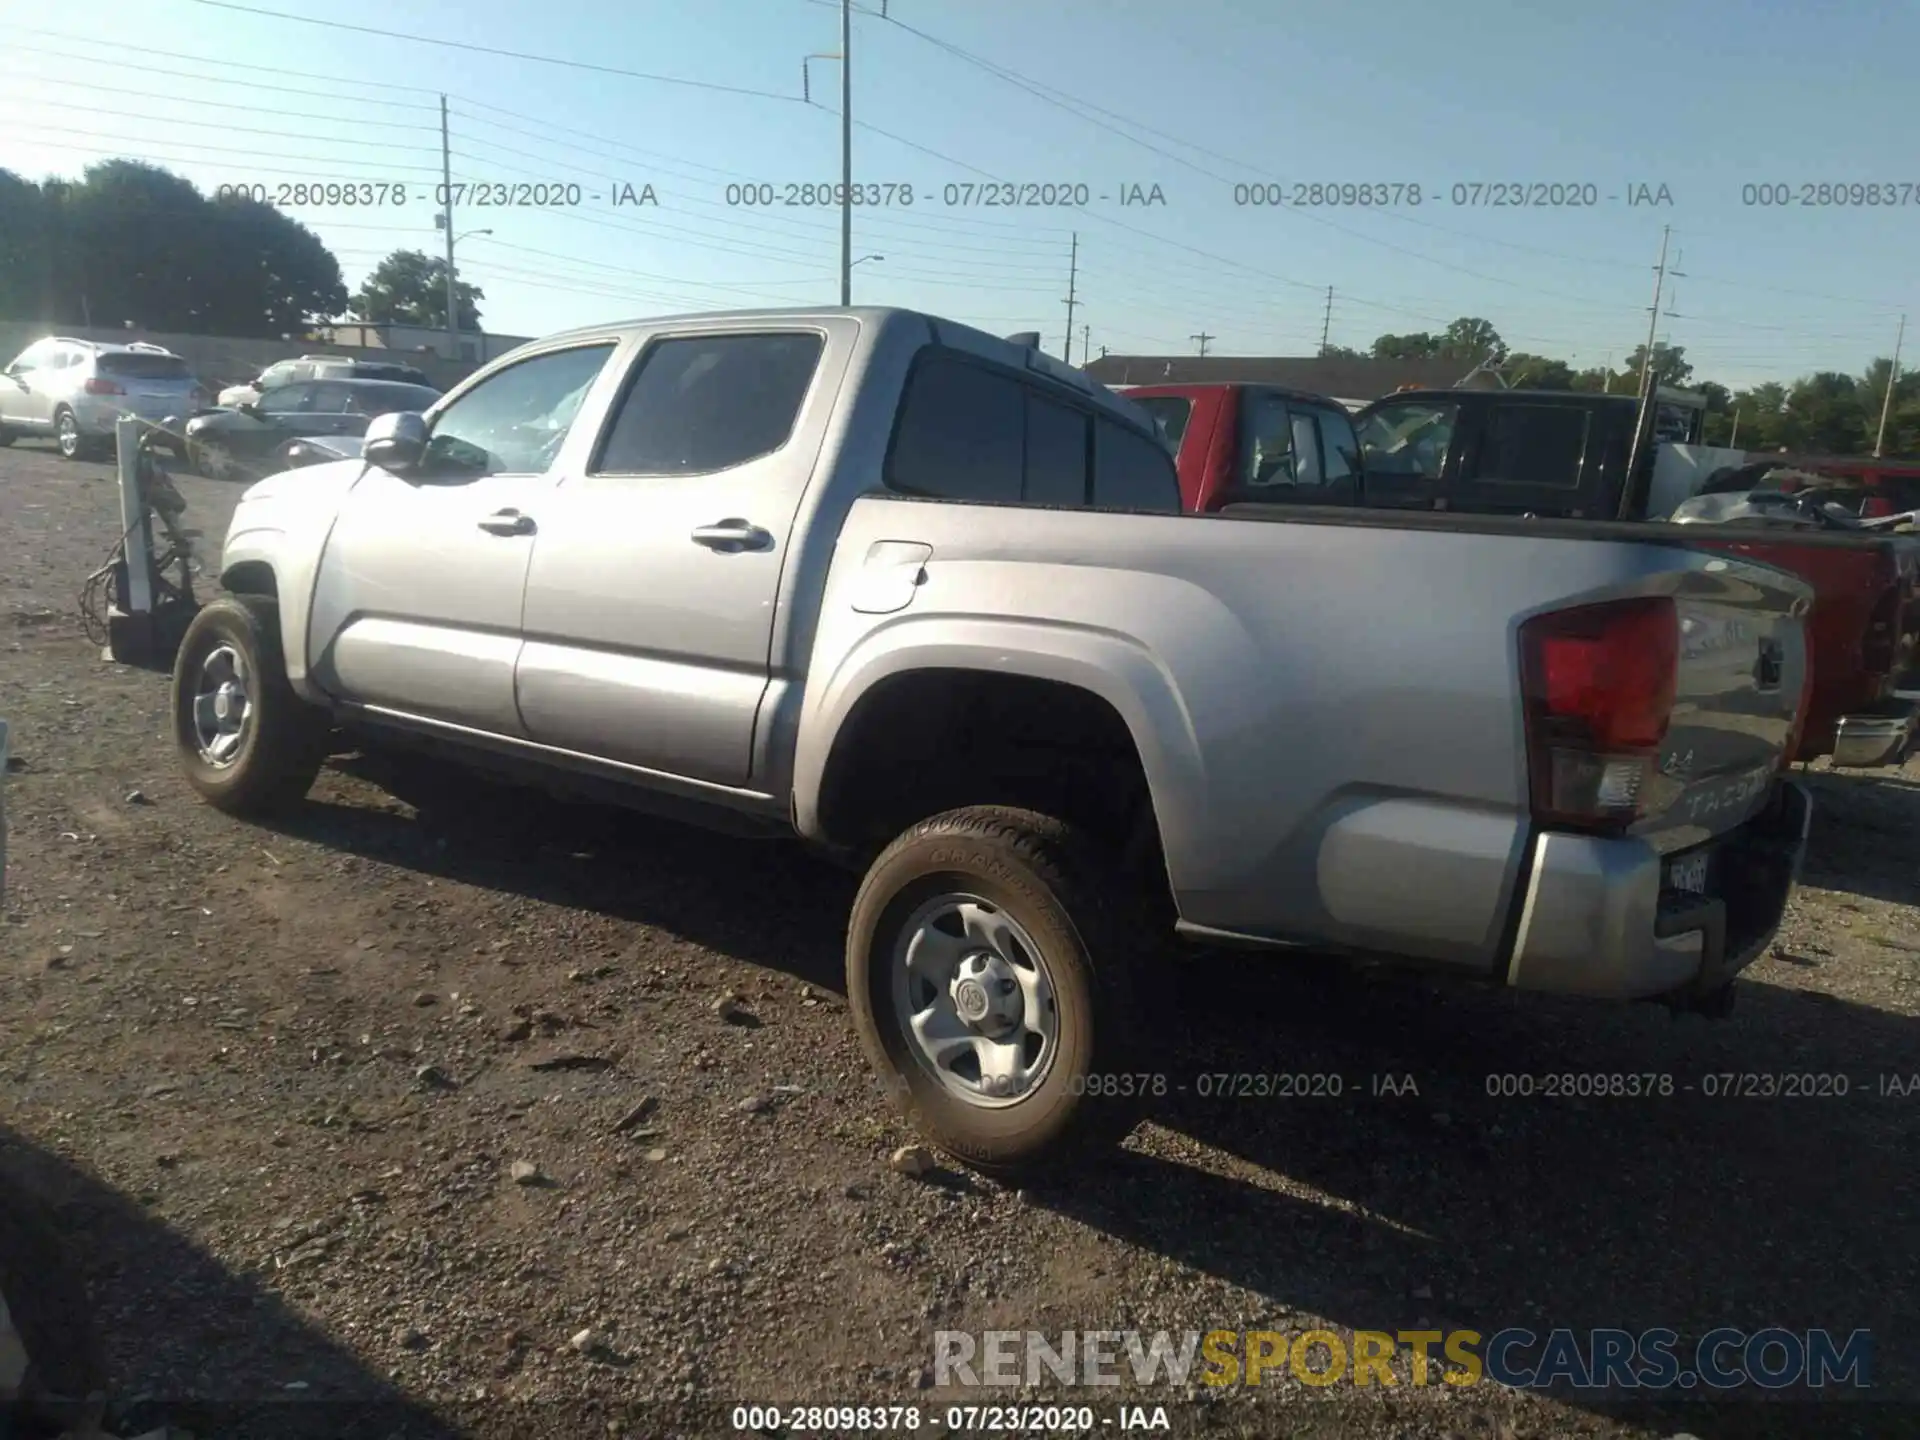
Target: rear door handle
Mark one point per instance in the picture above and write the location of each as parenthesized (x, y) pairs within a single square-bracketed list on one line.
[(732, 535), (507, 522)]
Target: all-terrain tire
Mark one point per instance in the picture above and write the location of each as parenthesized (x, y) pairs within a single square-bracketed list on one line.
[(283, 741), (1067, 894)]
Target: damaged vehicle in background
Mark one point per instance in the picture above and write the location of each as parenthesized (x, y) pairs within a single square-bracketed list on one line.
[(72, 391)]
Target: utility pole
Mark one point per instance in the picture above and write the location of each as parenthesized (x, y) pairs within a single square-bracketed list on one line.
[(1641, 448), (846, 152), (1086, 344), (1893, 377), (1653, 318), (446, 217), (1203, 338), (1326, 324), (1733, 439), (1073, 276)]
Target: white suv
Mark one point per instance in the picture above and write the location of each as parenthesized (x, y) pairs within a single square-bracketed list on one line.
[(74, 390)]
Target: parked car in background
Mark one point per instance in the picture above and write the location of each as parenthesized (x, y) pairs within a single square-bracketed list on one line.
[(927, 599), (245, 439), (320, 367), (72, 391)]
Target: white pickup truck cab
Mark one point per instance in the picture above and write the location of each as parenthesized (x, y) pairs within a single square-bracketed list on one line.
[(926, 599)]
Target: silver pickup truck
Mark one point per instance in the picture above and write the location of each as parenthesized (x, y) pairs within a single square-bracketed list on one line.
[(926, 598)]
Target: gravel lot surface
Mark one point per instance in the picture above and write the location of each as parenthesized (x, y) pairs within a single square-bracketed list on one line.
[(282, 1087)]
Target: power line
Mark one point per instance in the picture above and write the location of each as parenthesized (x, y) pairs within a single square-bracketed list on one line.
[(526, 55)]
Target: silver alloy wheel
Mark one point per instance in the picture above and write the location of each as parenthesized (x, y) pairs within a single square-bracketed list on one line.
[(974, 998), (222, 707), (66, 431)]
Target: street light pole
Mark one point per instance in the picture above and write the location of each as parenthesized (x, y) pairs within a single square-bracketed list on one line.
[(446, 214), (846, 152)]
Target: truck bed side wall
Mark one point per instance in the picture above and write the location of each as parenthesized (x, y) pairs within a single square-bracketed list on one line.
[(1328, 714)]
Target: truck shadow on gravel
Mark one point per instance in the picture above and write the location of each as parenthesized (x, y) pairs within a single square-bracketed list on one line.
[(1865, 829), (766, 903), (1426, 1179), (185, 1340)]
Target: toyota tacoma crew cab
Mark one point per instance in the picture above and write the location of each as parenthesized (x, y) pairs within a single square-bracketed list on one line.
[(926, 598)]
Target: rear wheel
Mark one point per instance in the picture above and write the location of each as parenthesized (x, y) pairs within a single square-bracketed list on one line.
[(989, 969), (250, 746)]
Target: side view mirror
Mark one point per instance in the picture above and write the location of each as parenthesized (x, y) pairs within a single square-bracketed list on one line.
[(396, 442)]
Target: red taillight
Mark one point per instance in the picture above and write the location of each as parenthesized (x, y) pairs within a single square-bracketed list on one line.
[(1875, 506), (103, 387), (1599, 684)]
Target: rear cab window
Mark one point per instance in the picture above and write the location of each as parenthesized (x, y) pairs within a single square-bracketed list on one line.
[(1171, 413), (969, 430), (1404, 448), (1292, 451), (1528, 457)]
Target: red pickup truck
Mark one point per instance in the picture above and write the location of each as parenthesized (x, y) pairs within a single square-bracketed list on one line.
[(1549, 455)]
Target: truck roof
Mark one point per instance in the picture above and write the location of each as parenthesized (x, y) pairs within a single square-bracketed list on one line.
[(1178, 387), (1008, 352)]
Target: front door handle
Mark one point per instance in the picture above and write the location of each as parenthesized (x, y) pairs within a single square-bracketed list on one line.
[(507, 522), (733, 535)]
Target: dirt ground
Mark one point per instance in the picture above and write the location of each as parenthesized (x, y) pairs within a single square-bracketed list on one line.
[(274, 1083)]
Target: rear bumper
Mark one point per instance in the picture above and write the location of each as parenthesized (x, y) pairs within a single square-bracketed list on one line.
[(1597, 923), (1875, 737)]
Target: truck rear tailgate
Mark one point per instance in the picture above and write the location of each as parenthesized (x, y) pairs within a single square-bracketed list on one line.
[(1742, 672)]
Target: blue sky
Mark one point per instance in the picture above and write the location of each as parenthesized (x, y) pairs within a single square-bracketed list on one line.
[(1704, 98)]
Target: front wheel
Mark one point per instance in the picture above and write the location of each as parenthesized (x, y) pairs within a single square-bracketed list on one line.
[(67, 435), (249, 745), (989, 971)]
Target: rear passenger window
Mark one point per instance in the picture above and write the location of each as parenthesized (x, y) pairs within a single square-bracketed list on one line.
[(962, 434), (709, 402), (1131, 472), (1539, 445), (1056, 454)]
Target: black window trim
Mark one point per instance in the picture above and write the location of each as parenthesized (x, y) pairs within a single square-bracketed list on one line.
[(1028, 382), (637, 367)]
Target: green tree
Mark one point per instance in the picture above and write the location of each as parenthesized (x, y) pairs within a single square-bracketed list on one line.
[(409, 287), (1827, 415), (1419, 345), (1537, 372), (132, 243), (1340, 352), (1470, 338), (1670, 366)]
